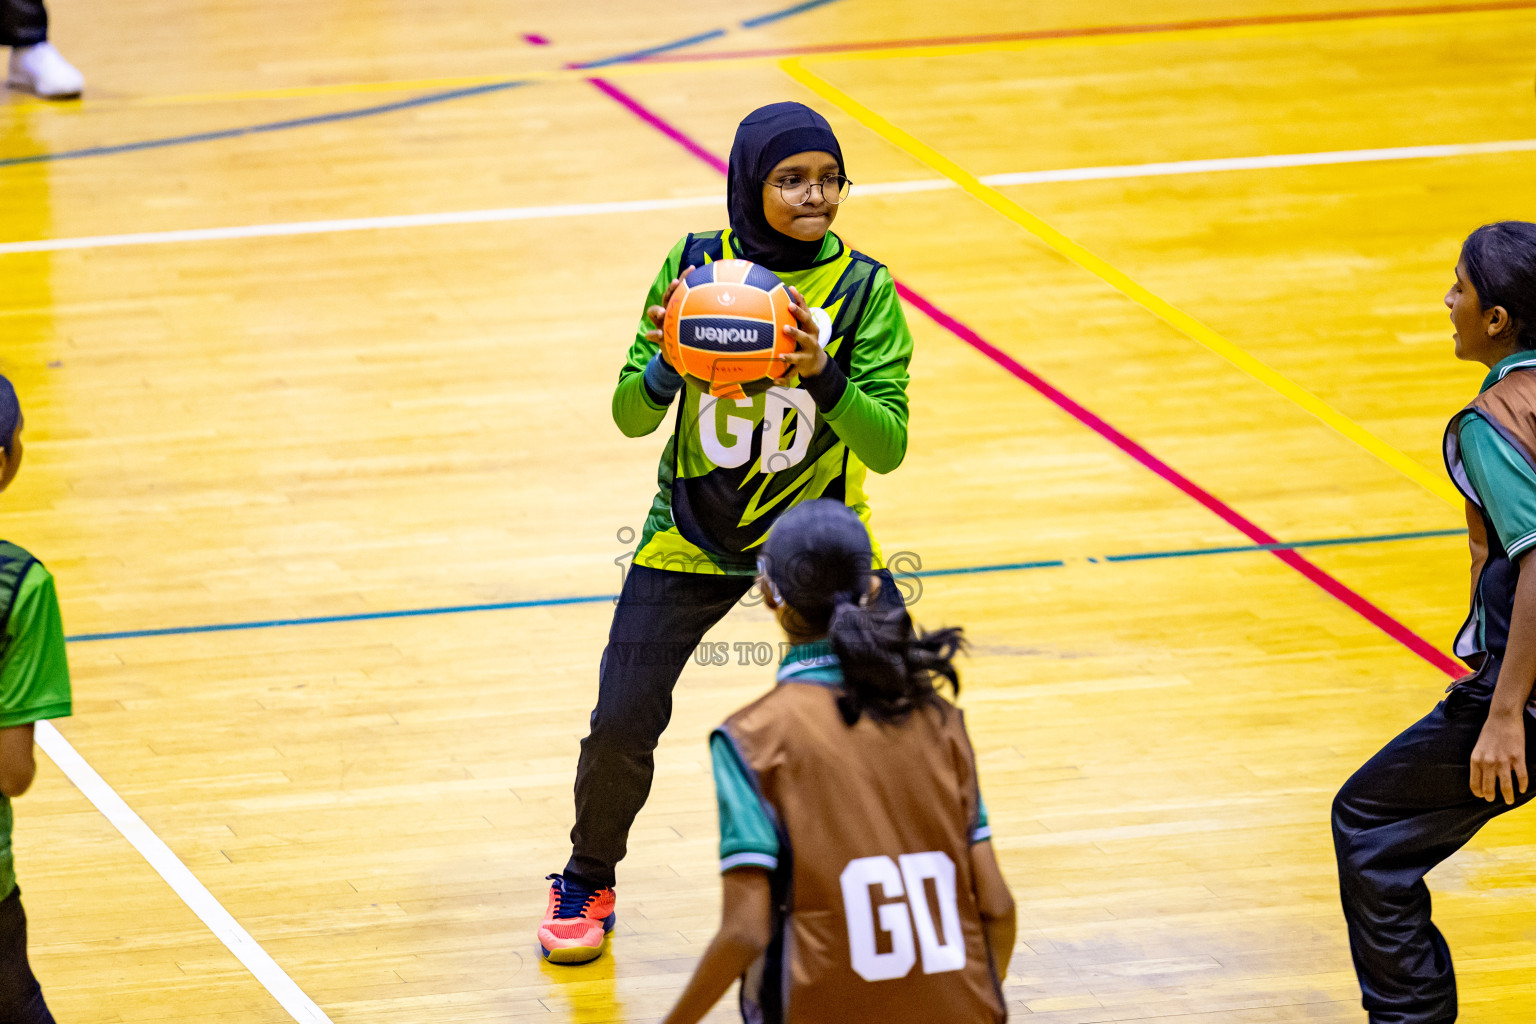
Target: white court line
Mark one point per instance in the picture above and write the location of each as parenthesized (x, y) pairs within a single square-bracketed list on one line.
[(515, 213), (192, 892), (320, 227), (1255, 163)]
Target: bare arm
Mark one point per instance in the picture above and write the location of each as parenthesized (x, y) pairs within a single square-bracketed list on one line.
[(1498, 760), (18, 767), (746, 924), (995, 903)]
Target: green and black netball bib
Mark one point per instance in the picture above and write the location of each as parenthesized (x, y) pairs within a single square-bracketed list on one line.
[(734, 465)]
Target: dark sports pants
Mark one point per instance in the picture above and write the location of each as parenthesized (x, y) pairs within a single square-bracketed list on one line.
[(660, 618), (21, 998), (1406, 810), (22, 22)]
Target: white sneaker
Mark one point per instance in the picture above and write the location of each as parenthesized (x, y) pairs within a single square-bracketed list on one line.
[(43, 70)]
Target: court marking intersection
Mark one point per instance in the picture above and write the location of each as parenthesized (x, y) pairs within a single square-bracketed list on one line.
[(656, 59), (552, 602), (1177, 318), (494, 215), (224, 926), (988, 42), (1329, 584), (106, 800), (389, 108)]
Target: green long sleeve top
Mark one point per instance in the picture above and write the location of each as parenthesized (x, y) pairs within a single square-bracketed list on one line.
[(731, 467), (867, 409)]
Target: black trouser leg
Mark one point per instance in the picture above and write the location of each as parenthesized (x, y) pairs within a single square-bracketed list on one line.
[(1406, 810), (22, 22), (660, 618), (21, 997)]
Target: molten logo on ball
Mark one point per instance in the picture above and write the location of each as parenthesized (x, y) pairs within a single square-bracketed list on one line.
[(726, 337), (724, 329)]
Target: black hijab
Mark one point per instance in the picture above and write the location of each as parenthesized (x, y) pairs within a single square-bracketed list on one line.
[(764, 137)]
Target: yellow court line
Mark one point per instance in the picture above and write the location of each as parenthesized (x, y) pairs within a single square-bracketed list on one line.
[(1122, 282), (750, 58)]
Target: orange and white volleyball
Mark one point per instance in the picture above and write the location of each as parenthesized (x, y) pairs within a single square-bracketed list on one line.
[(724, 328)]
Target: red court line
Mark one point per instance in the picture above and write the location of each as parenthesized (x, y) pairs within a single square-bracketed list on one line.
[(1314, 17), (1247, 527), (632, 105)]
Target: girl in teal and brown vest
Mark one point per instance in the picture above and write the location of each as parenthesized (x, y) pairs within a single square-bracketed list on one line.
[(860, 886), (728, 470), (34, 686), (1426, 793)]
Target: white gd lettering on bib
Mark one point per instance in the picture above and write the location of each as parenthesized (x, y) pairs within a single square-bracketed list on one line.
[(715, 419), (909, 923)]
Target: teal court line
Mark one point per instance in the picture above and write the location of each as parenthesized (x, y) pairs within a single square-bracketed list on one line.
[(555, 602)]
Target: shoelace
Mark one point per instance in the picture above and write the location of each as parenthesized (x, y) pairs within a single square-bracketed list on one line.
[(573, 898)]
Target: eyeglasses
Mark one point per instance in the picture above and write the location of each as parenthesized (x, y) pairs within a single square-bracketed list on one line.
[(797, 191)]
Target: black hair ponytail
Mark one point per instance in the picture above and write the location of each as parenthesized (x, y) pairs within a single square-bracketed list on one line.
[(817, 566), (890, 669), (1501, 264)]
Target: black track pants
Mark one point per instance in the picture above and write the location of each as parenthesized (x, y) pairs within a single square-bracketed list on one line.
[(21, 998), (660, 618), (1406, 810), (22, 22)]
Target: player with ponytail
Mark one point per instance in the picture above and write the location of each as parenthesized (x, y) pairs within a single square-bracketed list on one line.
[(889, 668), (852, 783)]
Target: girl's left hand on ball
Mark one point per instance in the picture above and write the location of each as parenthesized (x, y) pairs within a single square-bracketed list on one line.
[(811, 358)]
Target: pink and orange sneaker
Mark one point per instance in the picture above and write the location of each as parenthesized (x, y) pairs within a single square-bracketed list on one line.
[(576, 923)]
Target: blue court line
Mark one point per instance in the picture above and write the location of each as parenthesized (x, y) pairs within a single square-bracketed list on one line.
[(553, 602), (634, 55), (1236, 549), (256, 129), (788, 12), (969, 570), (318, 620), (388, 108), (1332, 542)]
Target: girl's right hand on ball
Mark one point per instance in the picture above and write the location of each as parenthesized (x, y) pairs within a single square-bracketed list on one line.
[(658, 314)]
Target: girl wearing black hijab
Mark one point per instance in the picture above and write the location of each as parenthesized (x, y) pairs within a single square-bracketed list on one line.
[(729, 470)]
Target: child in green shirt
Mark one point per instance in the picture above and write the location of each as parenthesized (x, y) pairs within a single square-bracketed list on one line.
[(729, 469), (34, 686)]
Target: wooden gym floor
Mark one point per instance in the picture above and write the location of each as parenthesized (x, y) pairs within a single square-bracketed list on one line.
[(255, 394)]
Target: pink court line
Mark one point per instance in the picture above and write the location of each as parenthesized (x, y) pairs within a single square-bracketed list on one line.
[(1247, 527), (632, 105), (1090, 31), (624, 100)]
